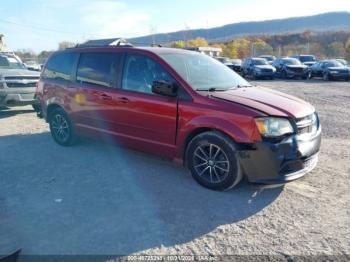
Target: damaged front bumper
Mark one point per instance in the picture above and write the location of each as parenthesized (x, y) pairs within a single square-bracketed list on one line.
[(281, 162)]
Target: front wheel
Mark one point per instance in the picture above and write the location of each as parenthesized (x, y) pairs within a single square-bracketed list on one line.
[(326, 77), (61, 128), (212, 160)]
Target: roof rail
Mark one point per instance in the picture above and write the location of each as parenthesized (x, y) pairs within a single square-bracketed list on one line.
[(106, 42)]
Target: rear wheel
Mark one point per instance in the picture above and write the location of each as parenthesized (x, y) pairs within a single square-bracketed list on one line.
[(212, 160), (61, 128)]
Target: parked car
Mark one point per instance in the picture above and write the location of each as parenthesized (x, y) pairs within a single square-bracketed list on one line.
[(33, 66), (17, 83), (237, 65), (183, 106), (343, 61), (308, 60), (234, 64), (329, 70), (270, 58), (257, 68), (289, 67)]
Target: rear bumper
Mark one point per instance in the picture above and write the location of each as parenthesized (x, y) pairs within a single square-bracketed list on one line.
[(17, 97), (275, 163)]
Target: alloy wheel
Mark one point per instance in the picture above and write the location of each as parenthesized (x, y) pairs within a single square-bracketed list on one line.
[(60, 128), (211, 163)]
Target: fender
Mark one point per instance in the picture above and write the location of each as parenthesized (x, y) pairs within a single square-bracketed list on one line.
[(242, 131)]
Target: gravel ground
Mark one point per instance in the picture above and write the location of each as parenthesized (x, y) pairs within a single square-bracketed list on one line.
[(99, 199)]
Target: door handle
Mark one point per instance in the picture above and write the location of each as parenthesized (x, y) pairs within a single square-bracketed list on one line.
[(105, 97), (123, 100)]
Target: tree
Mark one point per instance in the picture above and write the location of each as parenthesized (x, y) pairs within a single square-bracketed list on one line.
[(335, 50), (178, 44), (347, 50), (65, 44), (197, 42), (260, 47)]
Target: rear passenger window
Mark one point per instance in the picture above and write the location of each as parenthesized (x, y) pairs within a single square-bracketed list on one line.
[(98, 69), (59, 66)]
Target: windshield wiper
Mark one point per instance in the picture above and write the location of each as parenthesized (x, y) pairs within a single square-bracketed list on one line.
[(212, 89), (243, 86)]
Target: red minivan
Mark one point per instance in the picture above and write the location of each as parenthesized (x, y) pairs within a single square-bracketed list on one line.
[(183, 106)]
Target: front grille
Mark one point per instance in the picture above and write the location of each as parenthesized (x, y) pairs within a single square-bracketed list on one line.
[(265, 70), (21, 81), (296, 69), (19, 78), (308, 124)]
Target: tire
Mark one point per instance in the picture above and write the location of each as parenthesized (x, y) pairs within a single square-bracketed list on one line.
[(61, 128), (212, 159), (36, 108), (326, 77), (284, 75), (309, 75)]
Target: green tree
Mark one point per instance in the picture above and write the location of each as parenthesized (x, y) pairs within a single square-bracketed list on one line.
[(335, 50), (178, 44), (347, 50)]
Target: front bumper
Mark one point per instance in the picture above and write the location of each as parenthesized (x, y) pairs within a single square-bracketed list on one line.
[(275, 163), (264, 74), (295, 74), (340, 75), (17, 97)]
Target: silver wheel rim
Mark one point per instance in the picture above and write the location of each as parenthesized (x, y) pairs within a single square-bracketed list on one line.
[(211, 163), (60, 128)]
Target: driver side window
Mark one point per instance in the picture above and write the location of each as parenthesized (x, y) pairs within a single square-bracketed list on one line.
[(140, 72)]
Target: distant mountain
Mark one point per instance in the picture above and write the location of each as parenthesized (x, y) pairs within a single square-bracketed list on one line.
[(322, 22)]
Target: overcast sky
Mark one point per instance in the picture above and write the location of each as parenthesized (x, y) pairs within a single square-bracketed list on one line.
[(42, 24)]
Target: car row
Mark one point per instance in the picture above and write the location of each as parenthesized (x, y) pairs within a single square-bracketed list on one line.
[(302, 67)]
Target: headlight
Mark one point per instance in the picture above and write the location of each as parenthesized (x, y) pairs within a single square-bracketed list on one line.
[(333, 72), (274, 126)]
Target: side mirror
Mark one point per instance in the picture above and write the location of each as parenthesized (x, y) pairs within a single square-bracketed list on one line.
[(164, 88)]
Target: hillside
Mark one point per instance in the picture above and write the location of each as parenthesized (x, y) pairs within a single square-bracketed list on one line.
[(322, 22)]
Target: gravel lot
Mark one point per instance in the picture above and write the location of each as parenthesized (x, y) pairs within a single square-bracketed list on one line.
[(95, 198)]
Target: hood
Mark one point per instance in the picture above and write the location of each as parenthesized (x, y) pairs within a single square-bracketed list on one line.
[(309, 63), (296, 66), (338, 68), (269, 101), (264, 66), (18, 72)]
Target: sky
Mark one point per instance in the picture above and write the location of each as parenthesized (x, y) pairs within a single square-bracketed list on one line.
[(41, 24)]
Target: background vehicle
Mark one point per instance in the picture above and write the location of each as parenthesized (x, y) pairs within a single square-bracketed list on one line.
[(308, 60), (234, 64), (183, 106), (289, 67), (258, 68), (329, 70), (237, 65), (270, 58), (32, 65), (342, 61), (17, 83)]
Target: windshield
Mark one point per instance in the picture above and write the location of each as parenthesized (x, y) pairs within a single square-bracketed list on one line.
[(203, 72), (268, 58), (291, 61), (334, 64), (9, 62), (307, 58), (260, 62)]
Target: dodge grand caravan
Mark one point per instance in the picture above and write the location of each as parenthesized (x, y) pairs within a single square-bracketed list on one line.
[(183, 106)]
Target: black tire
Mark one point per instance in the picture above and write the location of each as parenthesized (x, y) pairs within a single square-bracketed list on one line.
[(36, 108), (309, 75), (212, 159), (61, 128), (326, 76), (283, 75)]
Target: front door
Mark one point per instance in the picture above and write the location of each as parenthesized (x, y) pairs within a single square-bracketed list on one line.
[(145, 120)]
